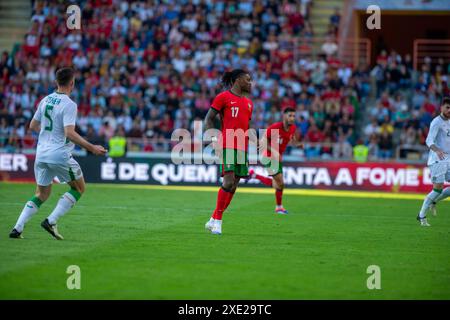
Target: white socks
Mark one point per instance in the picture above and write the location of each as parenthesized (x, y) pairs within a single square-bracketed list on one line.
[(31, 207), (432, 196), (65, 203)]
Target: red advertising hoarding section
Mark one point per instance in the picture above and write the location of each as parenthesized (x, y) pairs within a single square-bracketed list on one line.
[(16, 167), (375, 176), (388, 177)]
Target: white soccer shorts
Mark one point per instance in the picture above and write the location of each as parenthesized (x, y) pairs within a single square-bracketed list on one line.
[(46, 172), (440, 172)]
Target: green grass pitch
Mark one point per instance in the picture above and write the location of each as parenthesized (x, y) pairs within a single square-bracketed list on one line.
[(151, 244)]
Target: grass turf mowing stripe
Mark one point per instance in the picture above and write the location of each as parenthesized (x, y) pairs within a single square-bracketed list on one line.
[(252, 190), (300, 192)]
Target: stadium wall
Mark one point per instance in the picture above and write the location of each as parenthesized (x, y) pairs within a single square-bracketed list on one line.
[(332, 175)]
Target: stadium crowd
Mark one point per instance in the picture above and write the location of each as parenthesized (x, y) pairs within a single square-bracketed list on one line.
[(145, 68), (407, 102)]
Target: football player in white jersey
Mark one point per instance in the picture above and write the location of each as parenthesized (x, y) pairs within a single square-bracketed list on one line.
[(55, 121), (438, 140)]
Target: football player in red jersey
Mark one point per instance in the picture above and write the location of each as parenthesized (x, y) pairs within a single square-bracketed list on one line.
[(278, 136), (235, 110)]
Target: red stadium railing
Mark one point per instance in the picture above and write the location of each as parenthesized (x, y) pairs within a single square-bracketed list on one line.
[(432, 48)]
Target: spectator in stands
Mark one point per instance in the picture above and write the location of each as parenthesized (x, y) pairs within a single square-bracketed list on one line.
[(14, 141), (329, 47), (303, 125), (182, 117), (374, 149), (136, 131), (166, 126), (405, 77), (29, 140), (92, 135), (313, 138), (393, 76), (371, 128), (342, 149), (106, 131), (335, 19), (118, 144), (326, 150), (409, 137), (4, 132), (385, 145), (360, 152)]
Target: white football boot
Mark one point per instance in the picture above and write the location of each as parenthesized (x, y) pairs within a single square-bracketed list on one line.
[(423, 221), (217, 227), (209, 225)]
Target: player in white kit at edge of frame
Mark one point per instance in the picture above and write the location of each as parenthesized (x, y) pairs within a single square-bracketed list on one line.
[(55, 119), (438, 140)]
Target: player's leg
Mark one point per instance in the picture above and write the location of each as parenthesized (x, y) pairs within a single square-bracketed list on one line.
[(67, 201), (241, 171), (223, 196), (429, 199), (226, 168), (444, 194), (267, 181), (278, 184), (233, 190), (438, 172), (73, 175), (44, 179), (31, 208)]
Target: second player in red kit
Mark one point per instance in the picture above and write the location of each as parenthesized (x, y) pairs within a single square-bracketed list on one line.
[(278, 136)]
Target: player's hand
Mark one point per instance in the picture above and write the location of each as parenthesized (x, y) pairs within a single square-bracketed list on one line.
[(216, 146), (217, 149), (98, 150), (441, 154)]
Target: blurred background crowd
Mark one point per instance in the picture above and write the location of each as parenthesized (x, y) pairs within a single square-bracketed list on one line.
[(146, 68)]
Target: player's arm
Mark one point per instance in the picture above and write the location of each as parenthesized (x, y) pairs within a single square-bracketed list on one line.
[(264, 144), (252, 135), (69, 118), (271, 137), (210, 117), (441, 154), (431, 138), (73, 136), (35, 125), (296, 141)]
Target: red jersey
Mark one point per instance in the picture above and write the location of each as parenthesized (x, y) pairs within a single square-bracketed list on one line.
[(284, 137), (236, 113)]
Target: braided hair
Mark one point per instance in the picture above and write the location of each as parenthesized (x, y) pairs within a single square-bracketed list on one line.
[(230, 77)]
